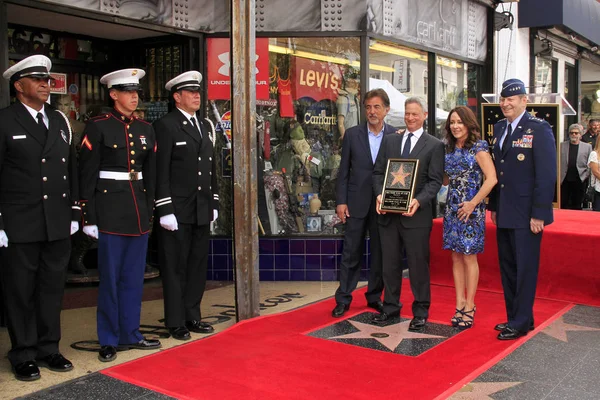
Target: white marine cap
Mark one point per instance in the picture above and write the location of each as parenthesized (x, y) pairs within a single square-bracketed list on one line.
[(124, 79), (37, 66), (188, 81)]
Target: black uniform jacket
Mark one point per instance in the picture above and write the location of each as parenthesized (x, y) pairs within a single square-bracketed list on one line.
[(116, 143), (187, 181), (38, 177)]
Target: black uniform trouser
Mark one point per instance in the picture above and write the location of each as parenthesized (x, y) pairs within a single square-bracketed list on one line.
[(183, 256), (33, 283), (354, 246), (395, 238), (519, 256), (571, 194)]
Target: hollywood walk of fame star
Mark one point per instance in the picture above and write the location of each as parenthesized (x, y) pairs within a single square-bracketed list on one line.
[(559, 328), (400, 177), (533, 112), (390, 336), (481, 390)]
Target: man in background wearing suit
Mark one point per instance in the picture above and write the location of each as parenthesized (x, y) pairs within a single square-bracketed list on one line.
[(574, 170), (356, 202), (409, 231), (39, 211), (187, 200), (524, 153)]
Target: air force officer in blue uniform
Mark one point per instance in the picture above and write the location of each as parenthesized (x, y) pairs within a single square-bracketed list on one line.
[(524, 152)]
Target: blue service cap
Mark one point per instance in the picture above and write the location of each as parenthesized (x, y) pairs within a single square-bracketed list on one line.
[(513, 87)]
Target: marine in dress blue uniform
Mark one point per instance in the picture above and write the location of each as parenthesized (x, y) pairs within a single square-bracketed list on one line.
[(187, 200), (39, 210), (524, 152), (118, 171)]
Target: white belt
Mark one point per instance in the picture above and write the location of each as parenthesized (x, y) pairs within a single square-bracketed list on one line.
[(120, 176)]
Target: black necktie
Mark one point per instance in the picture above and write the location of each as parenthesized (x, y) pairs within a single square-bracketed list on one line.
[(196, 126), (406, 148), (40, 119), (507, 139)]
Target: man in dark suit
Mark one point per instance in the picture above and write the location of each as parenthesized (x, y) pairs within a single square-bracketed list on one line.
[(410, 230), (356, 202), (187, 200), (574, 170), (524, 153), (38, 213), (117, 162), (592, 132)]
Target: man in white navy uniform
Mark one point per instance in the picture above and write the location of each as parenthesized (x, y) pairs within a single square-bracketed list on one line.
[(39, 210), (187, 200)]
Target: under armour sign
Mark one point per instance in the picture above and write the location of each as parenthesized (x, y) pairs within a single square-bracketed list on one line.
[(219, 69)]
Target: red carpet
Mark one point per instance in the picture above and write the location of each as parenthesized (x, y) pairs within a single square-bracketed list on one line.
[(569, 264), (272, 357)]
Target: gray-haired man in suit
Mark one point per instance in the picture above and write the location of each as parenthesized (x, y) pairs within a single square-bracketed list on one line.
[(409, 230), (574, 170)]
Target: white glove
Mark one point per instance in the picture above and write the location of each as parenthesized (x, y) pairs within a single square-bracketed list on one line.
[(3, 239), (74, 227), (169, 222), (215, 215), (91, 231)]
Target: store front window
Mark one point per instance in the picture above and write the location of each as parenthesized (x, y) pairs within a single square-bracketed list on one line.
[(456, 85), (311, 97), (401, 72), (544, 72)]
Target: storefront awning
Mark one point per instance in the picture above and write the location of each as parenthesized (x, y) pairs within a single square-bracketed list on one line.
[(582, 17)]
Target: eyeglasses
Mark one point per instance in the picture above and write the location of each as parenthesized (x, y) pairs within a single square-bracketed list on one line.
[(574, 133)]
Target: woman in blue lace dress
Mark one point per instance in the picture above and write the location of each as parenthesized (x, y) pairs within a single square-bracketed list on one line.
[(467, 162)]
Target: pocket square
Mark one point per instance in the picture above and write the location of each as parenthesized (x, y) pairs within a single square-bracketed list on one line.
[(180, 143), (17, 137)]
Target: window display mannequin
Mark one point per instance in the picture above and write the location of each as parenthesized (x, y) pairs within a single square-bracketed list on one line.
[(348, 108)]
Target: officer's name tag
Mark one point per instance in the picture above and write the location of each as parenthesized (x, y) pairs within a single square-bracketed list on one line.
[(17, 137), (180, 143)]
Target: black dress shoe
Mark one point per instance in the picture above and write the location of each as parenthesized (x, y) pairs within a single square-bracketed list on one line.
[(376, 305), (383, 317), (145, 344), (340, 309), (107, 353), (417, 324), (504, 325), (180, 333), (56, 362), (27, 371), (199, 327), (510, 334)]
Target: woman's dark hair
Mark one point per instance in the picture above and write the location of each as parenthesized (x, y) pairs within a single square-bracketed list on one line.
[(469, 120)]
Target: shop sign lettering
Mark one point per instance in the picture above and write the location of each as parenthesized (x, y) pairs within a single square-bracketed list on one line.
[(316, 79), (437, 22), (229, 313), (319, 119), (218, 76)]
